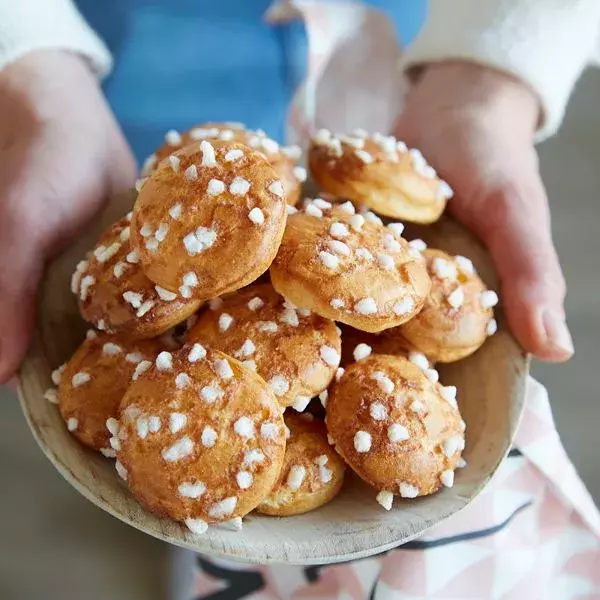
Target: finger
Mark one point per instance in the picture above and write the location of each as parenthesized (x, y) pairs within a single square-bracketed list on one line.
[(19, 276), (510, 214)]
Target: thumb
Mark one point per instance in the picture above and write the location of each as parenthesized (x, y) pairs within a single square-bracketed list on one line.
[(122, 168), (19, 276), (510, 214)]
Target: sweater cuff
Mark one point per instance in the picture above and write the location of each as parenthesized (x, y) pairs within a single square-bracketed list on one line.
[(29, 25), (545, 44)]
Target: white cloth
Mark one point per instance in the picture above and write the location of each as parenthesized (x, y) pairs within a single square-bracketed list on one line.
[(29, 25), (546, 43)]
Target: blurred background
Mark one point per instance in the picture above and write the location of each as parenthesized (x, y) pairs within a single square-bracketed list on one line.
[(55, 544)]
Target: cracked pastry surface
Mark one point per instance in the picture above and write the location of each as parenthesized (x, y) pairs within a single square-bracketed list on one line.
[(115, 295), (209, 219), (283, 159), (349, 267), (398, 430), (93, 382), (295, 351), (458, 314), (380, 172)]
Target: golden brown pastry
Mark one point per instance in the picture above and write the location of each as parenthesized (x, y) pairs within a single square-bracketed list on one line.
[(349, 267), (209, 220), (457, 317), (295, 351), (357, 345), (312, 473), (201, 438), (399, 431), (380, 172), (115, 295), (283, 159), (93, 382)]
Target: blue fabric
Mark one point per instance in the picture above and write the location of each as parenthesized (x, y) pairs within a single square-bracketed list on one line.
[(180, 62)]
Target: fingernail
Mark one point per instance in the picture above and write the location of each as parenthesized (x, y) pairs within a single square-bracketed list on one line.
[(557, 333)]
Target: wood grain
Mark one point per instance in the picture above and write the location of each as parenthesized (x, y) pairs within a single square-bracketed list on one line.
[(491, 386)]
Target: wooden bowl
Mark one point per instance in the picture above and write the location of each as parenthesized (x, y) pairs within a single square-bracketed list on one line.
[(491, 386)]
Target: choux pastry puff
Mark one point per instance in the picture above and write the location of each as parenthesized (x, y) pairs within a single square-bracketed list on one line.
[(380, 172), (201, 438), (295, 351), (399, 431), (283, 159), (209, 220), (93, 382)]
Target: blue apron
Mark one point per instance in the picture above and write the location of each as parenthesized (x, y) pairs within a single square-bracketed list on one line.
[(180, 62)]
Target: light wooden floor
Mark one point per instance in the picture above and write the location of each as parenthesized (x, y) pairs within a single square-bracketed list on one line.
[(57, 546)]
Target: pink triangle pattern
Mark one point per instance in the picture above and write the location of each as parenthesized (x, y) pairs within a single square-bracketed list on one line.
[(205, 585), (408, 573), (551, 531), (474, 582)]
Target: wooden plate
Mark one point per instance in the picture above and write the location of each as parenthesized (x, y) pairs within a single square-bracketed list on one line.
[(491, 386)]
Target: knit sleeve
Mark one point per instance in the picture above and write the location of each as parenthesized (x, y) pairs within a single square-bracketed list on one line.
[(545, 43), (29, 25)]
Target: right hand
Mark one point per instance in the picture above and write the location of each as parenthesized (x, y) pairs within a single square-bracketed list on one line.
[(62, 154), (476, 125)]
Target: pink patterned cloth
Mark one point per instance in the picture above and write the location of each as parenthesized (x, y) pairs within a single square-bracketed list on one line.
[(534, 532)]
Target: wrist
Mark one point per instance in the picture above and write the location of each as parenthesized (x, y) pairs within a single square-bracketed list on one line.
[(467, 86), (45, 82)]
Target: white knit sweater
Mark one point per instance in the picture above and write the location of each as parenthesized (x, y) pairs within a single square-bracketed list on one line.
[(546, 43), (28, 25)]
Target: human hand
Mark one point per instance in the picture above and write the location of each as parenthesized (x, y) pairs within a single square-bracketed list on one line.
[(476, 127), (62, 154)]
